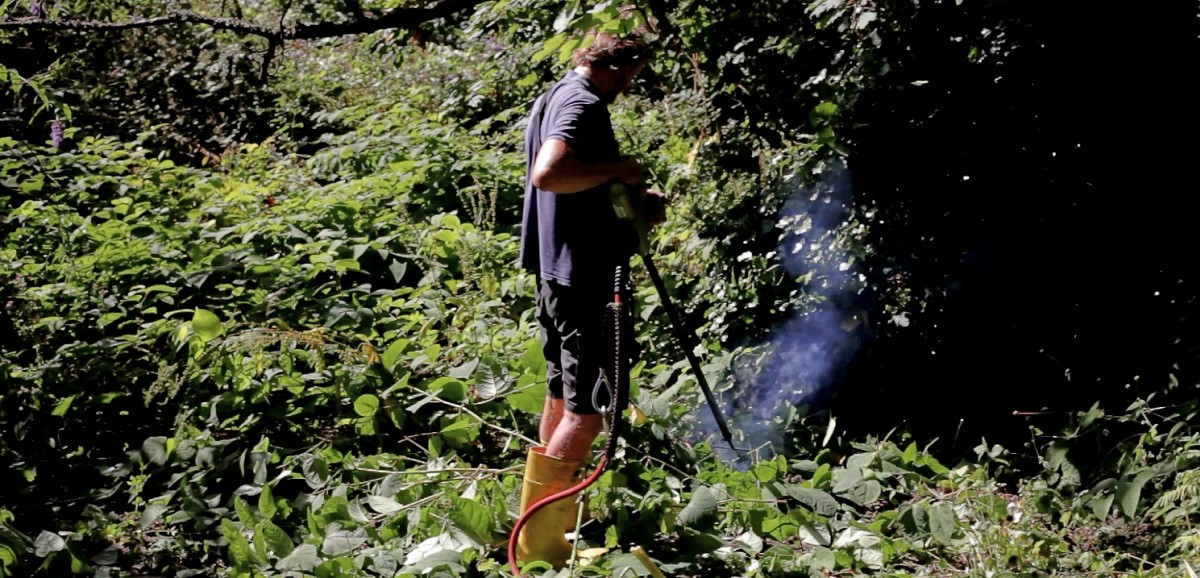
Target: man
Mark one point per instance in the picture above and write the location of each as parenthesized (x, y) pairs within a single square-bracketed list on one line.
[(571, 240)]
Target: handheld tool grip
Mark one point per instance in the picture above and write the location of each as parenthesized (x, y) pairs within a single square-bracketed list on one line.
[(630, 209)]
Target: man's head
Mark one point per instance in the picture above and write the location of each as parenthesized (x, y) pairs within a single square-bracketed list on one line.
[(614, 60)]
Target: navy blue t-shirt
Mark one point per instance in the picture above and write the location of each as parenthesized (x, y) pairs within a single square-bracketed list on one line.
[(574, 239)]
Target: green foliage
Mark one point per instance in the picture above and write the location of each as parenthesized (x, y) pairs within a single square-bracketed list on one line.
[(305, 349)]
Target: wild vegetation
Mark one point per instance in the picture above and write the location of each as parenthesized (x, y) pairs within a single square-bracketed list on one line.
[(263, 315)]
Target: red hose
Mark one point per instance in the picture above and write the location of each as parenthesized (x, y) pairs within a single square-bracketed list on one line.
[(516, 531)]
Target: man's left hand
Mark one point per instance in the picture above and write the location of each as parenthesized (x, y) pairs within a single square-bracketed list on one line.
[(655, 206)]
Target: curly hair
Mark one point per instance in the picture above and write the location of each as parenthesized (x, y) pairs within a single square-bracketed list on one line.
[(611, 50)]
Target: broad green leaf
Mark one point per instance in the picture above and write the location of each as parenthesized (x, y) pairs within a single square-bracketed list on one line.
[(8, 558), (822, 559), (474, 519), (465, 370), (533, 360), (817, 500), (941, 523), (866, 492), (383, 505), (48, 542), (155, 449), (845, 480), (780, 527), (302, 559), (765, 471), (63, 405), (398, 269), (1102, 505), (390, 485), (448, 388), (266, 502), (392, 354), (239, 547), (151, 514), (340, 542), (552, 44), (316, 472), (529, 397), (366, 405), (206, 324), (702, 505), (245, 516), (277, 540), (1129, 490)]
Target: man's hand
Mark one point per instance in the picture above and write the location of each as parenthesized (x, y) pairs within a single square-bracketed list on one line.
[(655, 206)]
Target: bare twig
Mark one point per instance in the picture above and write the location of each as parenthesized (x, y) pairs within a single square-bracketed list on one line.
[(479, 419), (397, 18), (453, 470)]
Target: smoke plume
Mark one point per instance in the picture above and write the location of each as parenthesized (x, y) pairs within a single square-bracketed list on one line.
[(801, 359)]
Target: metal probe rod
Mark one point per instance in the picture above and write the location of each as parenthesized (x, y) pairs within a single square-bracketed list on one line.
[(688, 345)]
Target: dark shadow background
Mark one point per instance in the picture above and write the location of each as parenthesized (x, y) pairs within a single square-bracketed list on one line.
[(1032, 166), (1045, 202)]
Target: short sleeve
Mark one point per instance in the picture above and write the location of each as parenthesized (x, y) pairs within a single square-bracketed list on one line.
[(577, 115)]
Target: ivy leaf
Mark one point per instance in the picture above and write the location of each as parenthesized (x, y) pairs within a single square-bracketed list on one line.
[(48, 542)]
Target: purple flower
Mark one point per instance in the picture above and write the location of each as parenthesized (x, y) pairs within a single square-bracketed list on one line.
[(56, 133), (37, 9), (494, 45)]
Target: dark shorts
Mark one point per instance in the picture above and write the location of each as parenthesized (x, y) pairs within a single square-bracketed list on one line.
[(574, 342)]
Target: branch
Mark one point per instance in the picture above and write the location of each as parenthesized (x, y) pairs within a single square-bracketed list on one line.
[(397, 18)]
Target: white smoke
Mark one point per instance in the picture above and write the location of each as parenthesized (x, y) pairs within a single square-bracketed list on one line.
[(804, 353)]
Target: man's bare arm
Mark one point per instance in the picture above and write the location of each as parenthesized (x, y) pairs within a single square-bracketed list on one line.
[(557, 170)]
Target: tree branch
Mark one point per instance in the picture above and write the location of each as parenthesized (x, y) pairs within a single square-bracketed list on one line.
[(397, 18)]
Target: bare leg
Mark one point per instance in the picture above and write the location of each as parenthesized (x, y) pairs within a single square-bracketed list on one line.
[(552, 414), (574, 435)]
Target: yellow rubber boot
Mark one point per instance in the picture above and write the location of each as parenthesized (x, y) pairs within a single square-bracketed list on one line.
[(542, 536)]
